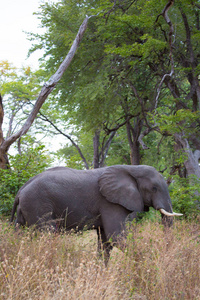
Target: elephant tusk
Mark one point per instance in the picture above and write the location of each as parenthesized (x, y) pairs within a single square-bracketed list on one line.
[(164, 212)]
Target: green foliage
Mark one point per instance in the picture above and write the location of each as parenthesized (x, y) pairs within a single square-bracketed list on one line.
[(22, 168), (19, 90), (185, 193), (180, 122)]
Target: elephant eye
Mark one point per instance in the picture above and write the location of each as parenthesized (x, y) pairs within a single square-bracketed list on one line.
[(154, 189)]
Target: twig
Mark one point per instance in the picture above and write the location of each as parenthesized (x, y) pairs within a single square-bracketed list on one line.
[(68, 137)]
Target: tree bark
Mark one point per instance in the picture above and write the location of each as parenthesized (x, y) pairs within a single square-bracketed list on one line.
[(96, 149), (46, 90), (192, 162), (4, 163), (1, 120), (134, 145), (105, 148)]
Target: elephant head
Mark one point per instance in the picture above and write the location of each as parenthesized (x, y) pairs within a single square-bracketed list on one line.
[(136, 188)]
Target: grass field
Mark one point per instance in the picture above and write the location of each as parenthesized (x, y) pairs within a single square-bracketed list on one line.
[(155, 265)]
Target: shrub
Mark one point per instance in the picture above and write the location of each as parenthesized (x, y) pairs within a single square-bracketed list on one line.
[(185, 194), (22, 168)]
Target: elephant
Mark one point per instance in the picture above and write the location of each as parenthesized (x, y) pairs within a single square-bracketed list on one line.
[(101, 199)]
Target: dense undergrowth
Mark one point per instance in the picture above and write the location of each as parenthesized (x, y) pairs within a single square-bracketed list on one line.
[(156, 264)]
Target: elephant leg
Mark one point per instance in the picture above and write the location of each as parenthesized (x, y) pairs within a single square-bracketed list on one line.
[(104, 246), (20, 220), (41, 220), (47, 221)]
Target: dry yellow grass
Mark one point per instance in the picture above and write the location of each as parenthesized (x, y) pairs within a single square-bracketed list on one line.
[(155, 265)]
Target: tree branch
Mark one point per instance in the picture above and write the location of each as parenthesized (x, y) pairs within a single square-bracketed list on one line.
[(68, 137), (171, 31), (128, 117), (142, 135)]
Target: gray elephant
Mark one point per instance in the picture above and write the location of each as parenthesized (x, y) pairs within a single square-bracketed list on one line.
[(102, 199)]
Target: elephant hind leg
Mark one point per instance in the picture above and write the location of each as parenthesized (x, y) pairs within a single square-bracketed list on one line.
[(47, 222), (104, 246), (20, 220)]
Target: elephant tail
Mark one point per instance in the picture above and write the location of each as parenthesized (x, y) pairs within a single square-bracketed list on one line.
[(16, 203)]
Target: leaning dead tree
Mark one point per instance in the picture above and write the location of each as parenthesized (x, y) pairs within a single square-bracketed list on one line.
[(47, 88)]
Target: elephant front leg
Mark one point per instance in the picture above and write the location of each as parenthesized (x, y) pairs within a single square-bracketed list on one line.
[(132, 216), (104, 246)]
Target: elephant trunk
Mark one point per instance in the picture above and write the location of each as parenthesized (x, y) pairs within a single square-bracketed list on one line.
[(167, 217)]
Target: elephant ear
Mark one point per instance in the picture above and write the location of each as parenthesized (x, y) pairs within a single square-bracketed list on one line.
[(119, 187)]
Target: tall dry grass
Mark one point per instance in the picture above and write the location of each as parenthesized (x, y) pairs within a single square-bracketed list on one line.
[(155, 265)]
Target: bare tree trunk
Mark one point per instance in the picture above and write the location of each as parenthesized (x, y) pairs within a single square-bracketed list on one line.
[(4, 163), (105, 149), (134, 145), (1, 120), (192, 162), (96, 149), (46, 90), (135, 153)]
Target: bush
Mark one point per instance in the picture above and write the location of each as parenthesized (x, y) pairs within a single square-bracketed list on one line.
[(22, 168), (185, 194)]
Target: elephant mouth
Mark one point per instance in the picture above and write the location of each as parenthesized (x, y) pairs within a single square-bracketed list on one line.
[(164, 212)]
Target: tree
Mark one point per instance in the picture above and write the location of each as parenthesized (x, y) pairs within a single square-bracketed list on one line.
[(172, 60), (133, 70), (186, 91), (5, 143)]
